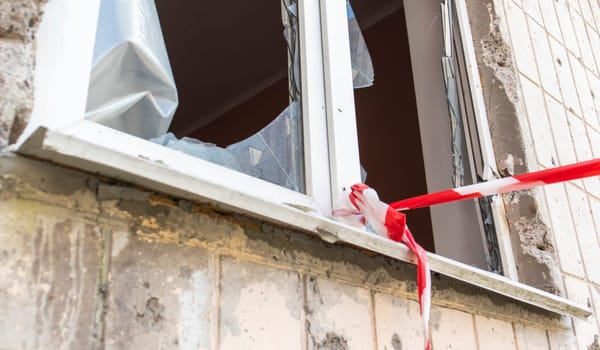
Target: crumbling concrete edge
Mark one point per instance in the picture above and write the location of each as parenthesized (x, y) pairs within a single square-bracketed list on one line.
[(531, 238)]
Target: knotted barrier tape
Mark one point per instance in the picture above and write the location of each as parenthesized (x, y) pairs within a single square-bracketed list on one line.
[(387, 220)]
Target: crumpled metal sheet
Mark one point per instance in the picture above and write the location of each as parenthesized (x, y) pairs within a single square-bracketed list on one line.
[(132, 88)]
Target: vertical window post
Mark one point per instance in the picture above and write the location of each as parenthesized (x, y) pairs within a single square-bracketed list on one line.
[(316, 155), (341, 121)]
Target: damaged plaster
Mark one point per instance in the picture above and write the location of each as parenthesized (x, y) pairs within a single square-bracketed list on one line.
[(145, 268), (332, 341), (497, 55), (19, 20), (531, 238)]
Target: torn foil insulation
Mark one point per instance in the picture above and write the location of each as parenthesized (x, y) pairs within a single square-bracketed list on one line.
[(363, 73), (131, 85)]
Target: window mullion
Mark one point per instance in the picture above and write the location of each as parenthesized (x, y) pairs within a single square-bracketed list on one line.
[(344, 159), (316, 156)]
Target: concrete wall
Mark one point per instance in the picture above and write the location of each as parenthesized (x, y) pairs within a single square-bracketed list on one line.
[(18, 22), (89, 263)]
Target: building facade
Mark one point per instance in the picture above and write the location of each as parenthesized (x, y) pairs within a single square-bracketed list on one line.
[(93, 256)]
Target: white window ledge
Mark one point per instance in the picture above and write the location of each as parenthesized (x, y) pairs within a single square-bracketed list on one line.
[(98, 149)]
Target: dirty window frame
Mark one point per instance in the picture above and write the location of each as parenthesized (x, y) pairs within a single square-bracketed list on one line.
[(57, 132), (64, 56)]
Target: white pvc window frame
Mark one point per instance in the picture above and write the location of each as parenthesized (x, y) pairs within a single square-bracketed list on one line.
[(58, 132), (64, 58)]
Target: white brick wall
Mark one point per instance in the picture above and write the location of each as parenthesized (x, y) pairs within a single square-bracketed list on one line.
[(557, 54)]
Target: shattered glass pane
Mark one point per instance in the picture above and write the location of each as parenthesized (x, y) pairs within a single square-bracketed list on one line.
[(275, 153), (132, 89), (362, 66), (270, 154)]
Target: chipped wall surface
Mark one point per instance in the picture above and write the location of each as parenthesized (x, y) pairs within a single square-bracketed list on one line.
[(540, 69), (18, 23), (90, 263)]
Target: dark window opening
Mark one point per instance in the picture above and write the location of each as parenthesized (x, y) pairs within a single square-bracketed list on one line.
[(405, 131), (236, 70), (230, 64), (388, 124)]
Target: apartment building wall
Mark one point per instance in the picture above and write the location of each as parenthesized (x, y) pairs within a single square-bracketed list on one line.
[(90, 262)]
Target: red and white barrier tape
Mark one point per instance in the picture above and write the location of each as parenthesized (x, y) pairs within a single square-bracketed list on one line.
[(507, 184), (387, 221)]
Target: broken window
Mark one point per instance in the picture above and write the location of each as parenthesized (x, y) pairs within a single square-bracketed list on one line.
[(416, 130), (237, 69), (236, 66), (239, 91)]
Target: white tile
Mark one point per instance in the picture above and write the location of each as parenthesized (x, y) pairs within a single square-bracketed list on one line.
[(256, 300), (338, 313), (538, 120), (532, 8), (574, 5), (577, 290), (563, 340), (595, 293), (520, 39), (550, 19), (530, 338), (595, 45), (595, 5), (565, 77), (452, 329), (584, 92), (585, 329), (586, 231), (495, 334), (595, 205), (580, 139), (583, 150), (398, 323), (543, 57), (586, 11), (564, 18), (563, 230), (595, 91), (587, 54), (595, 142), (561, 133)]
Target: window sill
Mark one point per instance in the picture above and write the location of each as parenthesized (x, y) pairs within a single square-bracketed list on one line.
[(98, 149)]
